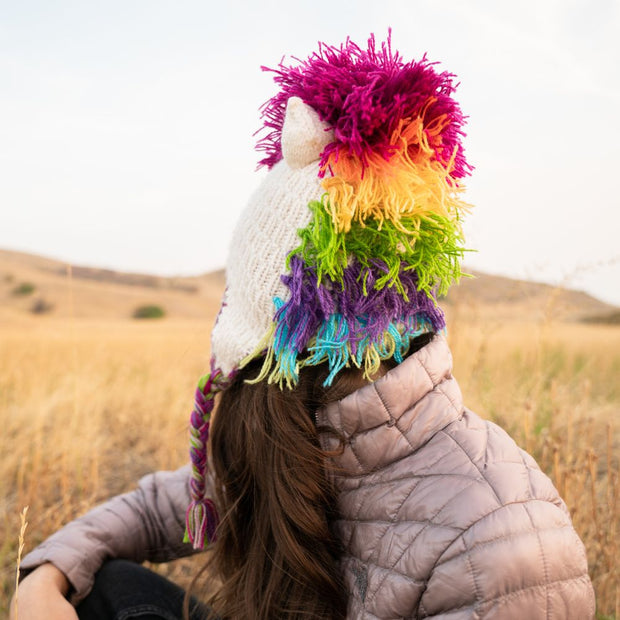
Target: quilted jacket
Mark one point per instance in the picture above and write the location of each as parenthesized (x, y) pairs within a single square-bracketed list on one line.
[(441, 514)]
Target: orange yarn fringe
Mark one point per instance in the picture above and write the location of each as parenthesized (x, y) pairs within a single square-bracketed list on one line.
[(411, 183)]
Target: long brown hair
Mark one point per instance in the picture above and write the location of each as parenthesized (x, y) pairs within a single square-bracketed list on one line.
[(275, 554)]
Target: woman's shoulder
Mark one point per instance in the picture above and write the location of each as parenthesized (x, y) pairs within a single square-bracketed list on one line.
[(517, 545), (466, 520), (491, 458)]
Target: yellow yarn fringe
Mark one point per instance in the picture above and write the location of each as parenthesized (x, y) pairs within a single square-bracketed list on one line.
[(411, 183)]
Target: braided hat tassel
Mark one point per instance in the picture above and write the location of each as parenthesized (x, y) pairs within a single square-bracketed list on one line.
[(201, 517)]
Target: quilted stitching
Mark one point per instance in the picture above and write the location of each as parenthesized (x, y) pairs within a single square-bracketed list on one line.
[(514, 536), (468, 456), (391, 567), (544, 561)]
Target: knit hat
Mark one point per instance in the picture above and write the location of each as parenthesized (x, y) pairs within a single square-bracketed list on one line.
[(344, 248)]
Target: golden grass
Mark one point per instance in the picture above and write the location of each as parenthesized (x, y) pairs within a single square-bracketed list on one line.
[(88, 406)]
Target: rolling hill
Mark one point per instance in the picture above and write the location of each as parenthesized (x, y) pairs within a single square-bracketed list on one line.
[(31, 284)]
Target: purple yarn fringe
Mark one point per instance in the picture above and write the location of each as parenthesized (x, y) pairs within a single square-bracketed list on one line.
[(367, 316)]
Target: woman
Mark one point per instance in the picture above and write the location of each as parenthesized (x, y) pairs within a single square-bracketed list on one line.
[(345, 477)]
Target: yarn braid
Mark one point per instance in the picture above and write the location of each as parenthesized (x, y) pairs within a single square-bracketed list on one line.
[(201, 517)]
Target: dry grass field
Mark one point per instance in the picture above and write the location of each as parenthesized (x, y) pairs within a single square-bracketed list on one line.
[(91, 399)]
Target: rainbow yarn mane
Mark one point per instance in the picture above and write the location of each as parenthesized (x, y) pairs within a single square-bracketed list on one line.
[(381, 237), (386, 238)]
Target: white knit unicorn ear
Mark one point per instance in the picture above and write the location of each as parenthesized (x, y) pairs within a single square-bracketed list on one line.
[(304, 135)]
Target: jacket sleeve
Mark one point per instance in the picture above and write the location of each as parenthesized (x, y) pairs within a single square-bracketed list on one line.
[(523, 560), (145, 524)]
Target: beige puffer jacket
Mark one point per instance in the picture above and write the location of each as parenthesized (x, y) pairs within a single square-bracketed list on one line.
[(442, 515)]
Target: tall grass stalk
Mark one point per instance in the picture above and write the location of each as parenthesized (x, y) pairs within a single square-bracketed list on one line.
[(20, 549)]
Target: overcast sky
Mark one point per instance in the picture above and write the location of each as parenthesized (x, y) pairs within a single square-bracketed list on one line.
[(126, 126)]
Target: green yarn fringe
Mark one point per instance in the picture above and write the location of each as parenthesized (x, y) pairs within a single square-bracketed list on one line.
[(431, 244)]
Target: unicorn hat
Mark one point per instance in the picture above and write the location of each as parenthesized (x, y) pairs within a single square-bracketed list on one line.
[(343, 249)]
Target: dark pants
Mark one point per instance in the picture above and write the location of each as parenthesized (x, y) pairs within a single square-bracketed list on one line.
[(125, 590)]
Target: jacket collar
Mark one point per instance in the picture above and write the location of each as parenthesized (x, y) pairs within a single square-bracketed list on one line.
[(392, 417)]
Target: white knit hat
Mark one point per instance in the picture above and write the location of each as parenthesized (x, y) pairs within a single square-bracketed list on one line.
[(264, 236)]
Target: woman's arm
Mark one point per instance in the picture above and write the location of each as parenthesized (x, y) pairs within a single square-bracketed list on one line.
[(43, 595), (523, 560), (144, 524)]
